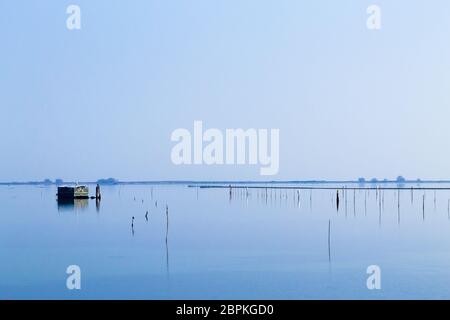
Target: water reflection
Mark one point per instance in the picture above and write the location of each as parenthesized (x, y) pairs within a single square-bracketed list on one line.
[(268, 229), (167, 242), (329, 240), (73, 204), (274, 196)]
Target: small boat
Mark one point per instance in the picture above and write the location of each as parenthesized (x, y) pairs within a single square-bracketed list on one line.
[(73, 192)]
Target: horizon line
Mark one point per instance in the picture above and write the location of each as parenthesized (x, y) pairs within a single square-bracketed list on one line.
[(112, 181)]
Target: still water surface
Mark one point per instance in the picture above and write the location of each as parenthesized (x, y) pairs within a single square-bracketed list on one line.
[(258, 243)]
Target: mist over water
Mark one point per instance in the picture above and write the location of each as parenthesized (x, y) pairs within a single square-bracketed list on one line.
[(213, 243)]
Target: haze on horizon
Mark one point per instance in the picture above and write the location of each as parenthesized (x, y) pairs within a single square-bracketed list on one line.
[(103, 101)]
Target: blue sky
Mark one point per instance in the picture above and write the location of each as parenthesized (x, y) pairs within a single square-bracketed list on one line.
[(102, 101)]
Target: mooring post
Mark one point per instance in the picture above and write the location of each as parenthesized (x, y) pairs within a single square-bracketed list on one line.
[(97, 192)]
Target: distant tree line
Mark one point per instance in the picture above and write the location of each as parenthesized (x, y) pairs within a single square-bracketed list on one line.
[(60, 181), (399, 179)]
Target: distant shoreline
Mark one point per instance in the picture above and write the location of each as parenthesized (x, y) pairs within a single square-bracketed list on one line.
[(222, 182)]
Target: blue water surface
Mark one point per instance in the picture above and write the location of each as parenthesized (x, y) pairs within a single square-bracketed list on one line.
[(252, 244)]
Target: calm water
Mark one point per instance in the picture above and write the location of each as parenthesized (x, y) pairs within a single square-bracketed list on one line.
[(210, 246)]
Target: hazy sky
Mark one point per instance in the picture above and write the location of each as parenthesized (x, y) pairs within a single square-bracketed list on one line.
[(103, 101)]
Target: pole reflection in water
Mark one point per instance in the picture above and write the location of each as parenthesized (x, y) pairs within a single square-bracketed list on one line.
[(423, 206), (329, 240), (393, 203), (448, 208), (253, 232), (167, 242), (365, 203)]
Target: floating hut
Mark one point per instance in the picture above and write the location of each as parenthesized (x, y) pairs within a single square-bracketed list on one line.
[(73, 192)]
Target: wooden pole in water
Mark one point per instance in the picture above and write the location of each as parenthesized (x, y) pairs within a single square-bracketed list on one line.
[(337, 200), (98, 195)]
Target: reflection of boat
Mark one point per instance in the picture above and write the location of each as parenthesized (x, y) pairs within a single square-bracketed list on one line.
[(71, 204), (75, 192)]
